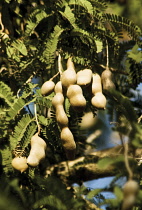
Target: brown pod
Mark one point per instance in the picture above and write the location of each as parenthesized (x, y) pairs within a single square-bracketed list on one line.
[(128, 202), (130, 187), (58, 87), (20, 164), (61, 116), (99, 101), (84, 77), (68, 77), (96, 84), (47, 88), (76, 98), (58, 99), (68, 143), (107, 80), (37, 152)]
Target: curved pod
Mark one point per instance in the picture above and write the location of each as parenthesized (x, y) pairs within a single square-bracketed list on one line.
[(99, 101), (58, 99), (84, 77), (68, 77), (107, 80), (58, 87), (37, 152), (20, 164), (96, 84), (68, 143), (76, 98), (61, 116), (47, 88)]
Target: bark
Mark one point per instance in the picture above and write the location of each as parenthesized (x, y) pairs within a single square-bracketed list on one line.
[(81, 169)]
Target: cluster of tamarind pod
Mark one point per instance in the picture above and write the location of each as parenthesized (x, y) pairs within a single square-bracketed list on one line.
[(71, 85)]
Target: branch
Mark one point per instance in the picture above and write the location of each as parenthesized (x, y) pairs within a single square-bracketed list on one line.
[(78, 173), (74, 172)]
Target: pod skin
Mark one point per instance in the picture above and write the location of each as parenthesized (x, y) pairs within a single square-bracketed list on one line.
[(61, 116), (68, 143), (107, 80), (47, 88), (58, 87), (20, 164), (130, 192), (37, 152), (84, 77), (69, 77), (130, 187), (96, 84), (76, 98), (99, 101)]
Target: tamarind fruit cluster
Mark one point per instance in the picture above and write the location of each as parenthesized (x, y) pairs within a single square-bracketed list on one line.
[(130, 192), (71, 85)]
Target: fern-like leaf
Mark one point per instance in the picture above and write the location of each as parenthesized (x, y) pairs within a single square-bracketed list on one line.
[(125, 23), (35, 18), (84, 3), (23, 132), (68, 14), (50, 46), (6, 159), (6, 94)]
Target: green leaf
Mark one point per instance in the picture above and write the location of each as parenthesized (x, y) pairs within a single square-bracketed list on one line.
[(20, 46), (93, 193), (6, 94), (108, 161), (118, 192), (99, 46)]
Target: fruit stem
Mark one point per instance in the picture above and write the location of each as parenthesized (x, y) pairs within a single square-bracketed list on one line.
[(60, 67), (125, 145), (38, 125), (107, 54), (54, 76)]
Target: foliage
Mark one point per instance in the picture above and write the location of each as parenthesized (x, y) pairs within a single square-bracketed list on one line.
[(32, 35)]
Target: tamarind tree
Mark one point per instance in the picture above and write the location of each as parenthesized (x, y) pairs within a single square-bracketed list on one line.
[(37, 38)]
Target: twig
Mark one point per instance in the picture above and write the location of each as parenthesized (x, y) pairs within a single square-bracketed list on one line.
[(27, 81), (38, 125), (107, 54), (54, 76), (139, 119), (2, 26), (126, 157), (60, 68)]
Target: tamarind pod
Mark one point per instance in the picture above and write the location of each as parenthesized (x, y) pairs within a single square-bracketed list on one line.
[(99, 101), (128, 202), (107, 80), (130, 187), (84, 77), (61, 116), (58, 87), (68, 143), (58, 99), (47, 88), (20, 164), (96, 84), (68, 77), (37, 152), (76, 98)]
